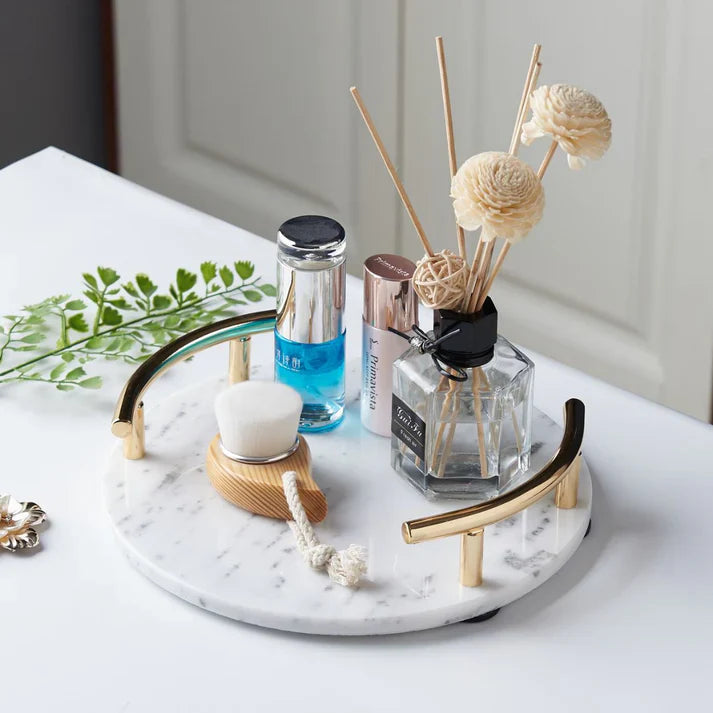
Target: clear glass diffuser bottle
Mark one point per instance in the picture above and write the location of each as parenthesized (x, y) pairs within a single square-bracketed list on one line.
[(462, 413)]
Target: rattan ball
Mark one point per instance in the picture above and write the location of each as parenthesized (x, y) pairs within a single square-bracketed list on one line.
[(440, 280)]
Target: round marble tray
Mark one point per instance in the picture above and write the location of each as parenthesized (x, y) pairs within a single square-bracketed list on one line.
[(182, 535)]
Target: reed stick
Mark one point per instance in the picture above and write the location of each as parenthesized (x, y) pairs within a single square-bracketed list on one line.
[(530, 89), (472, 280), (451, 431), (479, 286), (496, 268), (515, 139), (392, 171), (506, 247), (516, 432), (472, 274), (476, 297), (475, 269), (478, 405), (523, 114), (479, 281), (482, 274), (546, 160), (476, 375), (450, 138), (445, 408)]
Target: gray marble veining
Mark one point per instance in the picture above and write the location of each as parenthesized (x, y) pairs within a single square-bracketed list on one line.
[(181, 534)]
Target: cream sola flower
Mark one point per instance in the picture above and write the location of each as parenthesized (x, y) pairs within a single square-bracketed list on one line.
[(499, 192), (574, 118)]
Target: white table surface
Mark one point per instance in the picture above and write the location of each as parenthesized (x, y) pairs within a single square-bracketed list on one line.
[(627, 625)]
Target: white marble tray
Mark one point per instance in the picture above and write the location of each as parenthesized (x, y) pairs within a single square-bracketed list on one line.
[(182, 535)]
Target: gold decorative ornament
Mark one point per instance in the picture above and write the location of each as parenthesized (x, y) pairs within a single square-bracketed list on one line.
[(17, 524), (499, 192), (440, 280), (574, 118)]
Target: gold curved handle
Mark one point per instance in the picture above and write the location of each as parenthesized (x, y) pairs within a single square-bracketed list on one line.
[(562, 473), (128, 421)]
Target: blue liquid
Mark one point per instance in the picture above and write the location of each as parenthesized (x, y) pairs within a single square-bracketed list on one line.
[(316, 371)]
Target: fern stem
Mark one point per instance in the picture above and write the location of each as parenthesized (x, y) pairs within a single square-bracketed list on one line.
[(98, 315), (22, 377), (9, 337), (63, 334), (69, 347)]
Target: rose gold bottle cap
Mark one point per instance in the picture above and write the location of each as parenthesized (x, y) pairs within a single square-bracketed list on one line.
[(389, 299)]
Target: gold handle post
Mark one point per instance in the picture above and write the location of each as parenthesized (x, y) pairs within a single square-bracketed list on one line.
[(128, 414), (562, 473)]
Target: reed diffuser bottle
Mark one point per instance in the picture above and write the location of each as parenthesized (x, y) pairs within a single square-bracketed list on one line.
[(462, 395), (462, 408)]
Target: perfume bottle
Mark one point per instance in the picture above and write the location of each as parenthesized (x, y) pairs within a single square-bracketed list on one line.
[(309, 332), (389, 303), (462, 409)]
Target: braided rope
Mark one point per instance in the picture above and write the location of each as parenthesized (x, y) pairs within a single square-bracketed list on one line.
[(344, 567)]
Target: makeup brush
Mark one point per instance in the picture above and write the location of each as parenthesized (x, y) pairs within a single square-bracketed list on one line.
[(258, 419), (258, 442)]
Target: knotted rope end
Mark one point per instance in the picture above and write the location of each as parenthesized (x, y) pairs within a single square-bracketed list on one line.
[(345, 567)]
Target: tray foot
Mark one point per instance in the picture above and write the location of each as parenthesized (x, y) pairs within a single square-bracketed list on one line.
[(481, 617)]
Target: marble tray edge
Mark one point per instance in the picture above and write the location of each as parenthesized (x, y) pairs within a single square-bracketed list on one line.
[(358, 627)]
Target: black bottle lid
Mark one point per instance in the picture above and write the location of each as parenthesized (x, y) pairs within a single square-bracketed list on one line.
[(310, 234), (473, 343)]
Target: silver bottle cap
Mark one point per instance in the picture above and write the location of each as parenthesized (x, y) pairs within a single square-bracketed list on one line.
[(311, 278)]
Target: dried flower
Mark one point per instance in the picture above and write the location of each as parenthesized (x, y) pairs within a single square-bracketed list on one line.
[(499, 192), (16, 523), (574, 118), (440, 280)]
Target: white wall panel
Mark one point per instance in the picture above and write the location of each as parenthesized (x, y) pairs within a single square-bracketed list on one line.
[(592, 285), (242, 109)]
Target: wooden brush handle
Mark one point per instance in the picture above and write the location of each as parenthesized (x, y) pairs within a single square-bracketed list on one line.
[(258, 488)]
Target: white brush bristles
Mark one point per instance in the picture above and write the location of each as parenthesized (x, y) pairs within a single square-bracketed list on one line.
[(258, 419)]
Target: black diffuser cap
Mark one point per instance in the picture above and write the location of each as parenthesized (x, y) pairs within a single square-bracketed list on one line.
[(474, 343), (311, 233)]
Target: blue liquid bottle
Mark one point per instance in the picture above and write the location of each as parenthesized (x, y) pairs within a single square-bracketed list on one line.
[(309, 335)]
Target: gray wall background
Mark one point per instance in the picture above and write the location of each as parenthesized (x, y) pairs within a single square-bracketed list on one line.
[(51, 80)]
